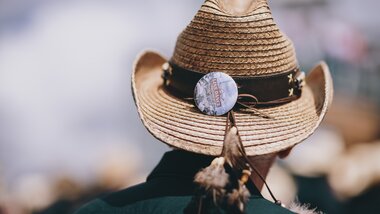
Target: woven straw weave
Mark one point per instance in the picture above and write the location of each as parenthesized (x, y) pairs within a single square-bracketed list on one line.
[(237, 45)]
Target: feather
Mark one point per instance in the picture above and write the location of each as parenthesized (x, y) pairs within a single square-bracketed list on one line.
[(302, 208), (232, 151), (222, 184), (233, 154), (213, 178), (212, 181), (239, 197)]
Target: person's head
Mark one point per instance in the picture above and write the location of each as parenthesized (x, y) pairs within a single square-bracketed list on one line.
[(275, 106), (232, 88)]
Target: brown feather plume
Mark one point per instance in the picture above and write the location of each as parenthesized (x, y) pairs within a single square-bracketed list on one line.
[(232, 151), (233, 154), (225, 190), (213, 179), (239, 197)]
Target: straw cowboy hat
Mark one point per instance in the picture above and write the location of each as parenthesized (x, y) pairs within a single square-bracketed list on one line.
[(248, 47)]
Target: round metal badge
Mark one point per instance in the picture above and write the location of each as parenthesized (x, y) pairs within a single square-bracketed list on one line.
[(215, 93)]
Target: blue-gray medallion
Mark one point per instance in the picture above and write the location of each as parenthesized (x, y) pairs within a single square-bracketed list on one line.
[(215, 93)]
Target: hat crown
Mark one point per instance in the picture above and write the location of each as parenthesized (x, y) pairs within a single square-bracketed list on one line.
[(238, 38)]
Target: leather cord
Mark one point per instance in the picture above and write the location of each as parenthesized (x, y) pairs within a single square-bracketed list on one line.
[(230, 122)]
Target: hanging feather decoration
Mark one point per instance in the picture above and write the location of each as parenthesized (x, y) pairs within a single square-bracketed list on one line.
[(222, 184), (232, 151), (234, 157), (239, 197), (213, 179)]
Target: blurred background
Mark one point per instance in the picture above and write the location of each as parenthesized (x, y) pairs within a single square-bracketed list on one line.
[(69, 130)]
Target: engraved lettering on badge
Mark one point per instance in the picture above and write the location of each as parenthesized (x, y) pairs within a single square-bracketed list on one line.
[(215, 93)]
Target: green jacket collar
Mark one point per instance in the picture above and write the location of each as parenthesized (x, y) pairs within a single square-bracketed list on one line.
[(185, 165)]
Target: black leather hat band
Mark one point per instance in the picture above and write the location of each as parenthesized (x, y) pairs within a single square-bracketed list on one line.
[(269, 89)]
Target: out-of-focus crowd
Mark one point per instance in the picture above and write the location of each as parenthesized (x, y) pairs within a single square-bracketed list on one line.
[(64, 193), (336, 170)]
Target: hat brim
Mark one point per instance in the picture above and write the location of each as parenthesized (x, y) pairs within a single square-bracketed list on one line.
[(180, 124)]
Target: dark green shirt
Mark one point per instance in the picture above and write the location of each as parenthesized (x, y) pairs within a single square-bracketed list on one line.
[(169, 189)]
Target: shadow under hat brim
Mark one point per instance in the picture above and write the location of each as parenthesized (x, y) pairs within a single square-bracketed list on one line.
[(180, 124)]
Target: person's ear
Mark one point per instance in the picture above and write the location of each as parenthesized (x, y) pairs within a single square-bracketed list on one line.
[(284, 153)]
